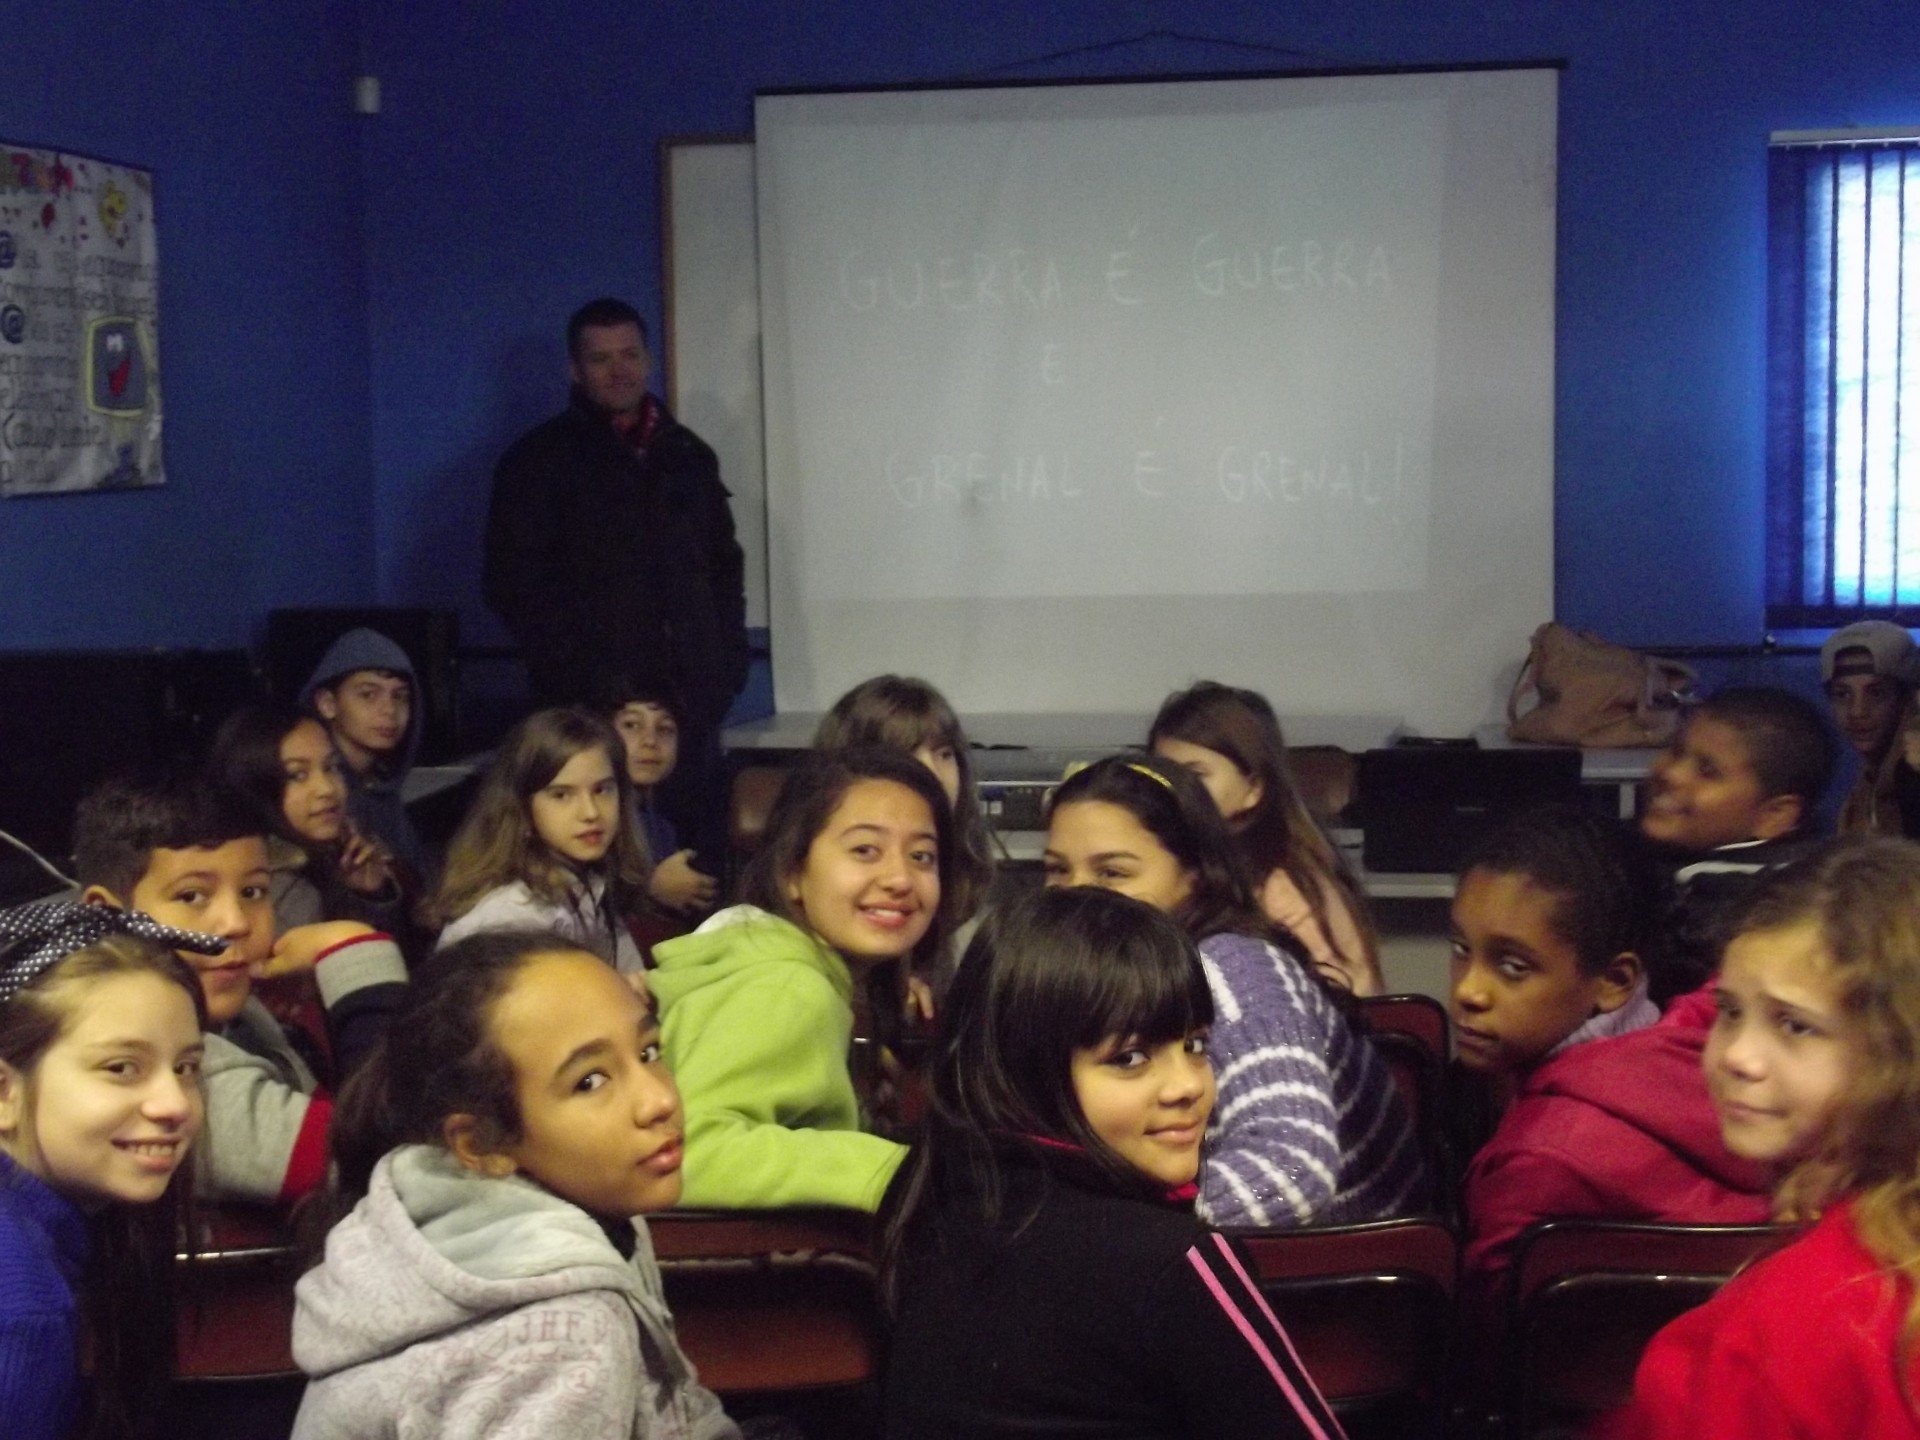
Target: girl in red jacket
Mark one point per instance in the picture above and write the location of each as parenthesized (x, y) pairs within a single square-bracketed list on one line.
[(1814, 1067)]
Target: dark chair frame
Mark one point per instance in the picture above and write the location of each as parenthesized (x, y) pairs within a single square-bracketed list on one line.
[(1369, 1308), (1410, 1032), (774, 1301), (1587, 1295)]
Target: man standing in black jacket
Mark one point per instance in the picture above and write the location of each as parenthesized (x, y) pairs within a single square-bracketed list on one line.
[(610, 554)]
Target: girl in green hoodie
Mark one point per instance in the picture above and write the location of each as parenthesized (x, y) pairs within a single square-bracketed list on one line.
[(757, 1005)]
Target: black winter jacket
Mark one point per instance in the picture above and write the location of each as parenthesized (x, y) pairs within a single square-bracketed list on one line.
[(605, 562)]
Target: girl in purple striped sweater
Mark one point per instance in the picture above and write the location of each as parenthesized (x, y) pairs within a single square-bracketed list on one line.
[(1039, 1255), (1309, 1128)]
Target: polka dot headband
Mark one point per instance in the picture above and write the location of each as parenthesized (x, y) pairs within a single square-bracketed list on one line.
[(35, 938)]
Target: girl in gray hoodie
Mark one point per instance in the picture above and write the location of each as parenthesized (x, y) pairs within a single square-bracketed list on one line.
[(493, 1276)]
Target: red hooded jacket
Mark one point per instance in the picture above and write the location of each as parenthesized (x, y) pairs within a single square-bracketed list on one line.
[(1800, 1347), (1616, 1129)]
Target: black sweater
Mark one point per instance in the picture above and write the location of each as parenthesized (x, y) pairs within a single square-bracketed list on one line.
[(1105, 1318)]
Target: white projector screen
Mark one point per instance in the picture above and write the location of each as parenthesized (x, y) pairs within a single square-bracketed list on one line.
[(1075, 394)]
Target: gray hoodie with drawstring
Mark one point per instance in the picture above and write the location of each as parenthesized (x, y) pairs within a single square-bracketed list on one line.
[(458, 1306)]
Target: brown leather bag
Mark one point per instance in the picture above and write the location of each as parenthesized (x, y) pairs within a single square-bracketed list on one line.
[(1595, 694)]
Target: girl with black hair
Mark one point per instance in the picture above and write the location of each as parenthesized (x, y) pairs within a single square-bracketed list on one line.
[(1038, 1255), (281, 763), (1310, 1128), (100, 1049), (491, 1274)]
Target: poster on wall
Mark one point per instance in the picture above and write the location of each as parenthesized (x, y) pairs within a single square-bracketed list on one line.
[(79, 325)]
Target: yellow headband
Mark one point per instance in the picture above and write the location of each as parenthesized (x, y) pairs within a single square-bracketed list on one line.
[(1074, 767), (1150, 773)]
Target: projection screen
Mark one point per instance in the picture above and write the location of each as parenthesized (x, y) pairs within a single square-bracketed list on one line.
[(1077, 393)]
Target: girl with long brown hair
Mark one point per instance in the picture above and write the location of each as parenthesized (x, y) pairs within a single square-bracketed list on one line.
[(1231, 740), (548, 844), (100, 1047)]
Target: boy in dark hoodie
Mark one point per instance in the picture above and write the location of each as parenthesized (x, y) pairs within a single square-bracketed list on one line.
[(366, 690)]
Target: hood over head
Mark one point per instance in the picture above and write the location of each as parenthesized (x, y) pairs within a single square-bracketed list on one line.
[(365, 649)]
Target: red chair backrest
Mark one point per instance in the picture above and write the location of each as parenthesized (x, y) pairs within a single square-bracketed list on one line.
[(234, 1297), (1421, 1017), (777, 1300), (1588, 1295), (1367, 1306)]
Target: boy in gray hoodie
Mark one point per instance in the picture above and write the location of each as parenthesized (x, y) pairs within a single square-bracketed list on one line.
[(366, 691)]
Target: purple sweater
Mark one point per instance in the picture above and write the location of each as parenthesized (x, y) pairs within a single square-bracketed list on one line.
[(1309, 1127)]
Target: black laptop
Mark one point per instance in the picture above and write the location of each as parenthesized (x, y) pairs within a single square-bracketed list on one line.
[(1421, 809)]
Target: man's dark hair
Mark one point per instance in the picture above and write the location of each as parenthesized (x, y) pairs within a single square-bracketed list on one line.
[(601, 312), (122, 821), (1788, 743)]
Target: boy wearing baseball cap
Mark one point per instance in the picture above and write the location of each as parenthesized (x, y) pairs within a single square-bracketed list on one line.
[(1869, 670)]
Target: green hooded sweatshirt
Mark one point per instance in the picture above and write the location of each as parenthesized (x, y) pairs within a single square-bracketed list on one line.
[(756, 1017)]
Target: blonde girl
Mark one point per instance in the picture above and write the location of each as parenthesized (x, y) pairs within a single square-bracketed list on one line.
[(1231, 740), (1814, 1067), (100, 1047), (548, 844)]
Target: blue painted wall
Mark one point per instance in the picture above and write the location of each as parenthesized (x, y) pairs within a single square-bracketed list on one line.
[(358, 314), (514, 174), (243, 114)]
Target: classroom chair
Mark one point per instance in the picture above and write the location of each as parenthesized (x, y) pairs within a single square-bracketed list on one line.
[(1420, 1018), (1325, 776), (771, 1301), (1370, 1309), (1588, 1295), (1409, 1032), (233, 1306)]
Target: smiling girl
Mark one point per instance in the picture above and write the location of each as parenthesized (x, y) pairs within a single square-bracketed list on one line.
[(758, 1005), (1310, 1127), (493, 1276), (100, 1048), (281, 762), (1041, 1233), (547, 844), (903, 713), (1814, 1066)]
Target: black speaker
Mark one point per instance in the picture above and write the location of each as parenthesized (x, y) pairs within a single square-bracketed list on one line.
[(296, 639)]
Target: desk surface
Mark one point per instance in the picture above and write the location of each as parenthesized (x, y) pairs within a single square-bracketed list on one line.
[(1033, 743)]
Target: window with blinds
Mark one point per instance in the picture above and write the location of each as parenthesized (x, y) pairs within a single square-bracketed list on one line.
[(1843, 405)]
